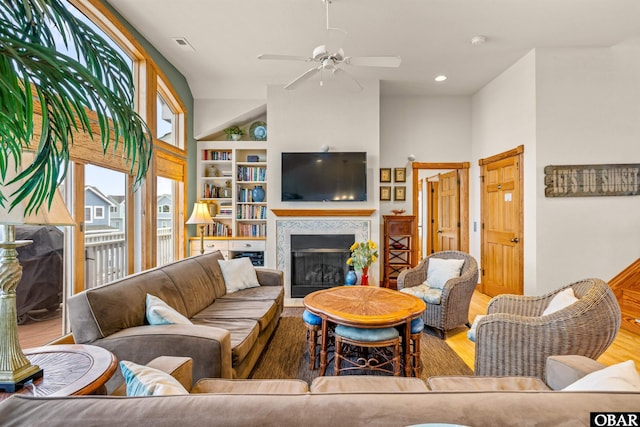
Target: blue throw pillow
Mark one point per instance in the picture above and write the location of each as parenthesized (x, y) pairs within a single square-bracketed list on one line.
[(145, 381)]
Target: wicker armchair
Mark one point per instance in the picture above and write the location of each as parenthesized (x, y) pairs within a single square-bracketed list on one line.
[(514, 339), (453, 310)]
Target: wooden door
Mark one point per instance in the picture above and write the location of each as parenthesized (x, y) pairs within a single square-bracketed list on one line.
[(448, 212), (502, 219), (432, 215)]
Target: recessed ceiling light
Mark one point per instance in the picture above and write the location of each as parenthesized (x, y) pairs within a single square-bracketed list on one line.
[(478, 40), (440, 78)]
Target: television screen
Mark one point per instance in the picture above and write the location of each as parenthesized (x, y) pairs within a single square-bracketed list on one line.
[(323, 177)]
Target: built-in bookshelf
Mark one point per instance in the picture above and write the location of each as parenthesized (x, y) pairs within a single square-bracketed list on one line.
[(228, 172)]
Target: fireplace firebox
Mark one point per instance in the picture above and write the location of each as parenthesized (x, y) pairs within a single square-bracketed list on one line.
[(318, 261)]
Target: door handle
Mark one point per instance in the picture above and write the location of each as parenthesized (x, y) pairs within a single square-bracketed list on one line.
[(515, 240), (439, 231)]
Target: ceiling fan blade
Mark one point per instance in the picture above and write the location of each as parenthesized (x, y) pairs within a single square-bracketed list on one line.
[(355, 84), (374, 61), (302, 78), (284, 57)]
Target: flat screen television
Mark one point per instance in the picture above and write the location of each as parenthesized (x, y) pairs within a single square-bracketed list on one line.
[(324, 177)]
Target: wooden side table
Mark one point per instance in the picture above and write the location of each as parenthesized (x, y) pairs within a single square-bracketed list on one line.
[(69, 369)]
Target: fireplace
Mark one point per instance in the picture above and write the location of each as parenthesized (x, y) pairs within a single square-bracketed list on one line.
[(318, 261), (356, 229)]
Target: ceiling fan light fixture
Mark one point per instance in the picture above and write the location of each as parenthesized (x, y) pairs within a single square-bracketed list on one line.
[(440, 78)]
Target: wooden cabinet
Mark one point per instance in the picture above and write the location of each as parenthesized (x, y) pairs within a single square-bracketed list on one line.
[(399, 247)]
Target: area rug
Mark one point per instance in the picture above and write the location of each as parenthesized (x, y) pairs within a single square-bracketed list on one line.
[(286, 355)]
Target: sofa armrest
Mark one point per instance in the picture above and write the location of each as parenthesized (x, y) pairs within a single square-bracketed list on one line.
[(269, 276), (208, 346), (564, 370), (179, 368)]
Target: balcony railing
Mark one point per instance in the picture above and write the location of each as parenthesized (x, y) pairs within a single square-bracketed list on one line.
[(106, 255)]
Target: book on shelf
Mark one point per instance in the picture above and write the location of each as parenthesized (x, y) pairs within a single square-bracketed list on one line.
[(252, 173), (217, 229), (252, 230), (216, 155)]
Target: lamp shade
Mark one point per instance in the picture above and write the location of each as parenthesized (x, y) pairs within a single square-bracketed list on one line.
[(200, 214), (55, 214)]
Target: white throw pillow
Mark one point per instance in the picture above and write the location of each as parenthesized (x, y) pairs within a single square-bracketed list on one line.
[(440, 270), (145, 381), (471, 333), (619, 377), (561, 300), (238, 274), (159, 312)]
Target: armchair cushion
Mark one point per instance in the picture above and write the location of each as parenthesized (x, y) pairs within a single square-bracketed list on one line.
[(562, 300), (471, 333), (440, 270), (424, 292), (619, 377)]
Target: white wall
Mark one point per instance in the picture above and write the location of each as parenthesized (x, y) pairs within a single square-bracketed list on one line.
[(309, 117), (434, 129), (588, 113), (504, 117)]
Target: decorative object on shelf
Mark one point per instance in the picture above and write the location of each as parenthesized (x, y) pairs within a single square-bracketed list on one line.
[(363, 254), (385, 174), (212, 171), (226, 190), (234, 133), (400, 174), (257, 194), (201, 217), (398, 211), (15, 368), (351, 278), (399, 194), (258, 131)]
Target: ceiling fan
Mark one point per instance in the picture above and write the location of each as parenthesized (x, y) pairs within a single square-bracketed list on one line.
[(326, 59)]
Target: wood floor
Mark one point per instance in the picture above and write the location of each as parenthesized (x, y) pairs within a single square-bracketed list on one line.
[(625, 347)]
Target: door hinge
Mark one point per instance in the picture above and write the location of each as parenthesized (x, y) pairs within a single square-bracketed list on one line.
[(459, 225), (483, 271)]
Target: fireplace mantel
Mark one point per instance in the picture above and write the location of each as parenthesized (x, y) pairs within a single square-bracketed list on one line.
[(323, 212)]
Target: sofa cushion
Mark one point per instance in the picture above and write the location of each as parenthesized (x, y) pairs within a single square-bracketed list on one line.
[(367, 383), (244, 334), (259, 293), (562, 370), (440, 270), (194, 282), (238, 274), (209, 263), (159, 312), (462, 383), (619, 377), (145, 381), (224, 308), (217, 385)]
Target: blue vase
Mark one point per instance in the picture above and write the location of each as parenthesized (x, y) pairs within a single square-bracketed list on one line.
[(257, 194), (351, 278)]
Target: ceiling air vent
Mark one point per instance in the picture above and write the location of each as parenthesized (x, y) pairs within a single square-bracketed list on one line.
[(183, 44)]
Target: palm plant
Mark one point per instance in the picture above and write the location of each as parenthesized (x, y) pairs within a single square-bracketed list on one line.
[(33, 71)]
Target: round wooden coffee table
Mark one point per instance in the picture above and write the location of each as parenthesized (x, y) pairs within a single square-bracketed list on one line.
[(364, 307), (69, 369)]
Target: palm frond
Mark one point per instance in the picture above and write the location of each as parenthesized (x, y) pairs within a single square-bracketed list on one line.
[(98, 79)]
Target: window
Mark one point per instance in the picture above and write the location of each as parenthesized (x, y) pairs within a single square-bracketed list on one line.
[(113, 209), (88, 214), (98, 212)]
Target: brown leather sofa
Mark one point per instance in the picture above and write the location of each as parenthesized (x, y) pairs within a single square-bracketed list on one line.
[(228, 334)]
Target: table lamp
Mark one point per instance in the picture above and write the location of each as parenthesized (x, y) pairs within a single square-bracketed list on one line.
[(15, 368), (200, 216)]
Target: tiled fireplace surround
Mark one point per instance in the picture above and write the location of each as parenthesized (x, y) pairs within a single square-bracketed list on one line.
[(360, 228)]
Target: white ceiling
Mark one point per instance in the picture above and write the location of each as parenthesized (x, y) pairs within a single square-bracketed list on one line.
[(431, 36)]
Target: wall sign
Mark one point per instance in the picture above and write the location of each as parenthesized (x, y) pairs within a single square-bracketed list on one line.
[(592, 180)]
